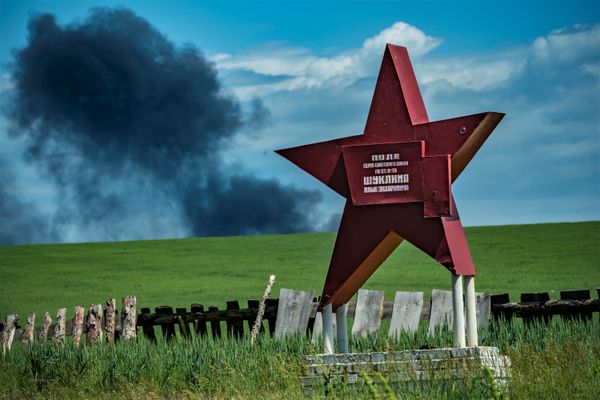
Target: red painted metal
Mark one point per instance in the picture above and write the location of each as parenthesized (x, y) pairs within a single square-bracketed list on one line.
[(396, 178), (394, 173)]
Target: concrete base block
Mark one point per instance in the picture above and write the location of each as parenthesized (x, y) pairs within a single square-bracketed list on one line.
[(408, 366)]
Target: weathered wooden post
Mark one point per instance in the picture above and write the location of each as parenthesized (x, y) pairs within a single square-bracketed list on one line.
[(148, 328), (261, 309), (45, 326), (235, 326), (537, 298), (8, 333), (167, 327), (406, 313), (77, 326), (215, 324), (94, 324), (129, 317), (293, 312), (29, 331), (581, 294), (59, 328), (110, 320), (201, 329), (369, 310)]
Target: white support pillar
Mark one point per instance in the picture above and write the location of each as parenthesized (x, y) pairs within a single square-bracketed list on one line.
[(469, 282), (342, 331), (327, 329), (458, 311)]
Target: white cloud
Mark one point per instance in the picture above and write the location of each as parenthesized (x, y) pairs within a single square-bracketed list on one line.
[(568, 44), (403, 34), (469, 74), (301, 69), (484, 72)]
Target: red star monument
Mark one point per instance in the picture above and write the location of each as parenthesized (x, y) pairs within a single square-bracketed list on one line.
[(396, 178)]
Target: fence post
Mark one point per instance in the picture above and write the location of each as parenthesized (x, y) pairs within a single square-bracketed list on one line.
[(129, 317), (582, 294), (146, 327), (200, 325), (94, 324), (59, 328), (483, 309), (167, 328), (272, 308), (215, 324), (293, 312), (77, 326), (257, 327), (28, 333), (235, 328), (252, 322), (110, 320), (184, 327), (406, 313), (539, 298), (503, 298), (8, 333), (368, 313), (45, 326)]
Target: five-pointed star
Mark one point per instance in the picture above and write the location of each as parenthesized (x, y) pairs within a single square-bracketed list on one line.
[(383, 206)]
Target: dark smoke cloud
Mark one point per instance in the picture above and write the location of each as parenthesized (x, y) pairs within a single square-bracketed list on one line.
[(19, 221), (113, 112), (332, 224), (265, 207)]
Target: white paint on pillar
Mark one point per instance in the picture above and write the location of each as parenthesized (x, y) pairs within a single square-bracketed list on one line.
[(342, 330), (458, 311), (469, 282), (327, 329)]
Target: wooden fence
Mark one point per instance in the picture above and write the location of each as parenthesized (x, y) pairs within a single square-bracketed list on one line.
[(537, 306), (293, 312)]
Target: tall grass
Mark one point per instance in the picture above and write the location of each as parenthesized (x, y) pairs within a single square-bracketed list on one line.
[(555, 361)]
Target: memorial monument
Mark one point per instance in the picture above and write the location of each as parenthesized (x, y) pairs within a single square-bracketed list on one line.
[(397, 180)]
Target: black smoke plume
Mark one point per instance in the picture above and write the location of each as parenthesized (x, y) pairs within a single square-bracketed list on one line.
[(19, 221), (126, 123)]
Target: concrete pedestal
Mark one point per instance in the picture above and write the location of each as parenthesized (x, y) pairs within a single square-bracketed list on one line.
[(408, 366)]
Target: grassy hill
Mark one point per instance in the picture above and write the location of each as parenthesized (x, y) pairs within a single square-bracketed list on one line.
[(544, 257)]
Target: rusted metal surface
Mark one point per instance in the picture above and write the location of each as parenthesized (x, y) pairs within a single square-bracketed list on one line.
[(396, 177)]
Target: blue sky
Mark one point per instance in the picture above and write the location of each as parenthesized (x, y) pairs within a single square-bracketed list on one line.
[(314, 64)]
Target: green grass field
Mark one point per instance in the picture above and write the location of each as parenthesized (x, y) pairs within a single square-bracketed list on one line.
[(549, 362), (558, 361), (513, 259)]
